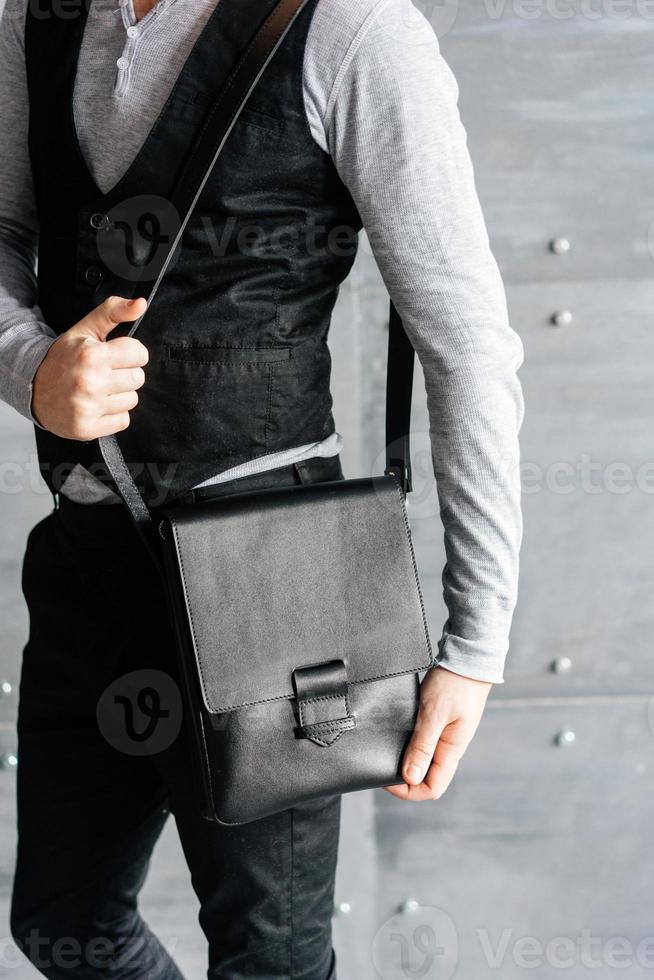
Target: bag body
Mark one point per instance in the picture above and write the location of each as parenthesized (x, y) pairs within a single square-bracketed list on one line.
[(301, 633)]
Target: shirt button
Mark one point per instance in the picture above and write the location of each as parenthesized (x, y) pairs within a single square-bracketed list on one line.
[(132, 32), (93, 275), (123, 64)]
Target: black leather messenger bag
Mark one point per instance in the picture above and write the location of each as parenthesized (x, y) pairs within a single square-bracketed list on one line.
[(297, 610)]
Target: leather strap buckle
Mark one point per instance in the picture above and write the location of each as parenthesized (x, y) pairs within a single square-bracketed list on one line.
[(323, 705)]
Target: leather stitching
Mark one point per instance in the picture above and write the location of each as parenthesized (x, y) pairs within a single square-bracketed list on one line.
[(415, 574), (190, 613), (207, 764), (330, 726), (302, 702), (269, 398), (325, 697), (322, 741)]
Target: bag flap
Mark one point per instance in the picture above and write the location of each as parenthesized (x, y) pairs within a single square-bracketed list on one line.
[(289, 577)]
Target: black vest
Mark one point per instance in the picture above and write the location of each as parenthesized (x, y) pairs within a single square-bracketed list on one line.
[(237, 334)]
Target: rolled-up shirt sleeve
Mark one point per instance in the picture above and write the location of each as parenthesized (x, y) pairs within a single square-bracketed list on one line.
[(394, 131)]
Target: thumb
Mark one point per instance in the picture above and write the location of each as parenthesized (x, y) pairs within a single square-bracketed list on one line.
[(420, 751), (106, 317)]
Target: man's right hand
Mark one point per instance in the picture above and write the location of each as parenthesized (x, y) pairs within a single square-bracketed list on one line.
[(86, 385)]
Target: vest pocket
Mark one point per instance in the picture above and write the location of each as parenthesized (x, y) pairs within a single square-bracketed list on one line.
[(224, 397), (229, 355)]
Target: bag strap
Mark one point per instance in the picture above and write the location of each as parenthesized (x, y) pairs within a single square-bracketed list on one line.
[(399, 387), (197, 170)]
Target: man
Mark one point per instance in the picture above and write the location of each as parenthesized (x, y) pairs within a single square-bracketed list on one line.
[(354, 124)]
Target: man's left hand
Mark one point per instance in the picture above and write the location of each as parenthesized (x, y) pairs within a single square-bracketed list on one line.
[(451, 707)]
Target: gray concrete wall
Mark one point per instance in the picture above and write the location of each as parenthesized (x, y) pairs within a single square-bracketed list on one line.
[(536, 862)]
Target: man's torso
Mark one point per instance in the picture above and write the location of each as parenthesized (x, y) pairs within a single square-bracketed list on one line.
[(199, 415)]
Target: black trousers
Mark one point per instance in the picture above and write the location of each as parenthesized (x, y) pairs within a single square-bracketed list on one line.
[(90, 811)]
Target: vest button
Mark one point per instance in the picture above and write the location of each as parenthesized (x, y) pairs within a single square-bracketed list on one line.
[(93, 275), (98, 220)]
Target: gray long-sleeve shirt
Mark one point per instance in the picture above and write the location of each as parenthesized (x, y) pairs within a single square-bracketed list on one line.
[(382, 102)]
